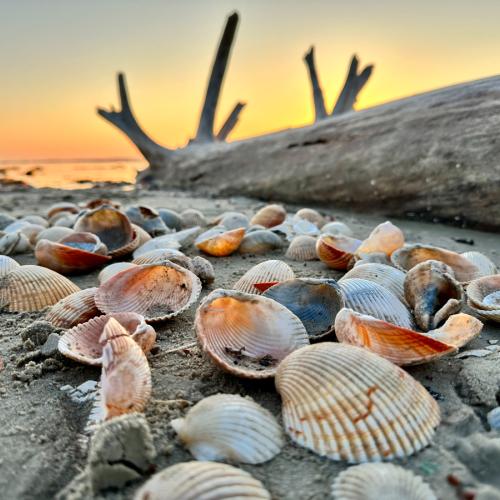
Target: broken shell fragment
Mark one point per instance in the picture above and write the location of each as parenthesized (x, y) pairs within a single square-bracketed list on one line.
[(486, 266), (219, 242), (269, 216), (262, 241), (230, 427), (74, 309), (311, 215), (148, 219), (336, 251), (484, 297), (302, 248), (110, 270), (385, 238), (268, 273), (7, 264)]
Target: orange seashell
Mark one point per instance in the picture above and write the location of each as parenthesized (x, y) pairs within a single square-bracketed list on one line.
[(262, 287), (220, 243), (7, 264), (261, 276), (458, 330), (74, 309), (269, 216), (336, 251), (385, 238)]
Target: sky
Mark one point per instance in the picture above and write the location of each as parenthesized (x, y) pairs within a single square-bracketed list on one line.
[(59, 58)]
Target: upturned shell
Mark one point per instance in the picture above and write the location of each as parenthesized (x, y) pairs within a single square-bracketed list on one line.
[(433, 293), (347, 403), (219, 242), (264, 275), (62, 206), (7, 264), (230, 428), (247, 335), (156, 291), (260, 242), (380, 481), (409, 256), (54, 233), (232, 220), (302, 248), (311, 215), (110, 270), (315, 302), (336, 228), (74, 309), (269, 216), (192, 217), (148, 219), (32, 288), (14, 243), (170, 218), (336, 251), (484, 297), (202, 481), (203, 269), (486, 266), (167, 242), (385, 238)]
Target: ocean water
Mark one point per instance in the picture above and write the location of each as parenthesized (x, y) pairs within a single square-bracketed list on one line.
[(71, 174)]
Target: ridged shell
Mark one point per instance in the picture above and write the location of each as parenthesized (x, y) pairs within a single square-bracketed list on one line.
[(370, 258), (269, 216), (484, 297), (203, 269), (433, 293), (347, 403), (74, 309), (7, 264), (232, 220), (380, 481), (202, 481), (32, 288), (409, 256), (171, 218), (260, 242), (220, 243), (156, 291), (269, 271), (228, 427), (55, 233), (302, 248), (336, 251), (385, 238), (315, 302), (311, 215), (62, 206), (486, 266), (336, 228), (112, 269), (82, 342), (367, 297), (148, 219), (192, 217), (160, 243), (160, 255), (247, 335)]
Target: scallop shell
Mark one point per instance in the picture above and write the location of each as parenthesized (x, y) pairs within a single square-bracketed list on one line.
[(315, 302), (74, 309), (336, 251), (7, 264), (14, 243), (219, 242), (32, 288), (268, 272), (370, 258), (161, 255), (156, 291), (484, 297), (148, 219), (311, 215), (170, 218), (380, 481), (486, 266), (346, 403), (245, 334), (260, 242), (302, 248), (62, 206), (202, 481), (232, 220), (203, 269), (433, 293), (228, 427), (368, 297), (385, 238), (269, 216), (192, 217), (167, 242), (409, 256), (335, 228), (55, 233), (112, 269)]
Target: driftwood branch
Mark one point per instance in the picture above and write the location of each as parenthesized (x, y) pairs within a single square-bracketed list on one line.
[(231, 122), (319, 102)]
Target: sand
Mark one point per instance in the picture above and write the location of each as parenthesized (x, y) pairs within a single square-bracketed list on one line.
[(42, 447)]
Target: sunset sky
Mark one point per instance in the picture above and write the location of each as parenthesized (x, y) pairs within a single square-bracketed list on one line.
[(59, 58)]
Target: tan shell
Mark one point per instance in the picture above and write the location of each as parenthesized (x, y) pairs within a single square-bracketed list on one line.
[(269, 216), (36, 219), (486, 266), (484, 297), (336, 228), (458, 330), (202, 481), (230, 428), (55, 233), (260, 242), (311, 215), (346, 403), (336, 251), (380, 481), (192, 217), (110, 270), (74, 309), (162, 254), (268, 272), (302, 248), (220, 243), (247, 335), (386, 238), (33, 288), (7, 264), (62, 206), (156, 291), (203, 269)]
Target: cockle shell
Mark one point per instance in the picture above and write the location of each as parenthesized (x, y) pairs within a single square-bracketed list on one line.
[(82, 342), (192, 217), (147, 218), (170, 218), (336, 228), (346, 403), (14, 243), (336, 251), (219, 242), (167, 242), (380, 481), (110, 270), (268, 273), (36, 219), (245, 334), (232, 220), (311, 215), (433, 293), (202, 481), (232, 428), (55, 233), (7, 264), (260, 242), (160, 255), (203, 269), (32, 288), (486, 266), (269, 216), (62, 206), (74, 309), (156, 291), (302, 248), (484, 297), (315, 302), (386, 238), (370, 258)]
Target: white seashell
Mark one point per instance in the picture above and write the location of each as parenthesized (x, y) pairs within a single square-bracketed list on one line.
[(36, 219), (336, 228), (7, 264), (14, 243), (112, 269), (302, 248), (159, 243), (267, 273), (486, 266), (260, 242), (232, 220), (192, 217), (55, 233)]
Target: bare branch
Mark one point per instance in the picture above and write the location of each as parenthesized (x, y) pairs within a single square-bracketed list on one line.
[(319, 102), (231, 122)]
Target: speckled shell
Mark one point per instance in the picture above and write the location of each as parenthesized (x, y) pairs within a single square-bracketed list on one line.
[(171, 218), (486, 266), (203, 269), (7, 264), (32, 288), (315, 302), (112, 269), (346, 403), (336, 228), (269, 216), (148, 219), (228, 427), (336, 251), (386, 238), (269, 271), (484, 297), (302, 248), (74, 309), (380, 481), (311, 215), (220, 243), (232, 220), (260, 242), (202, 481), (247, 335), (55, 233), (192, 217), (156, 291)]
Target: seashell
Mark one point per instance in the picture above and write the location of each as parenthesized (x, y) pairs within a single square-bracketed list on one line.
[(315, 302), (269, 216), (32, 288), (486, 266), (302, 248), (192, 217), (410, 255), (160, 255), (232, 220), (158, 243), (203, 269), (31, 231), (433, 293), (148, 219), (254, 227), (376, 481), (99, 202), (14, 243), (336, 228), (202, 481), (387, 276), (385, 238), (484, 297), (16, 226), (458, 330), (156, 291), (140, 236), (295, 226), (62, 206), (230, 427), (62, 220), (245, 334), (311, 215), (5, 220), (186, 237), (110, 270), (370, 258), (346, 403), (170, 218), (55, 233), (74, 309), (336, 251), (260, 242), (7, 264), (82, 342), (37, 220), (219, 242), (268, 272), (367, 297)]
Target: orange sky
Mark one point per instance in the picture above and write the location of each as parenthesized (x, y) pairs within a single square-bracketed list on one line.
[(58, 61)]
